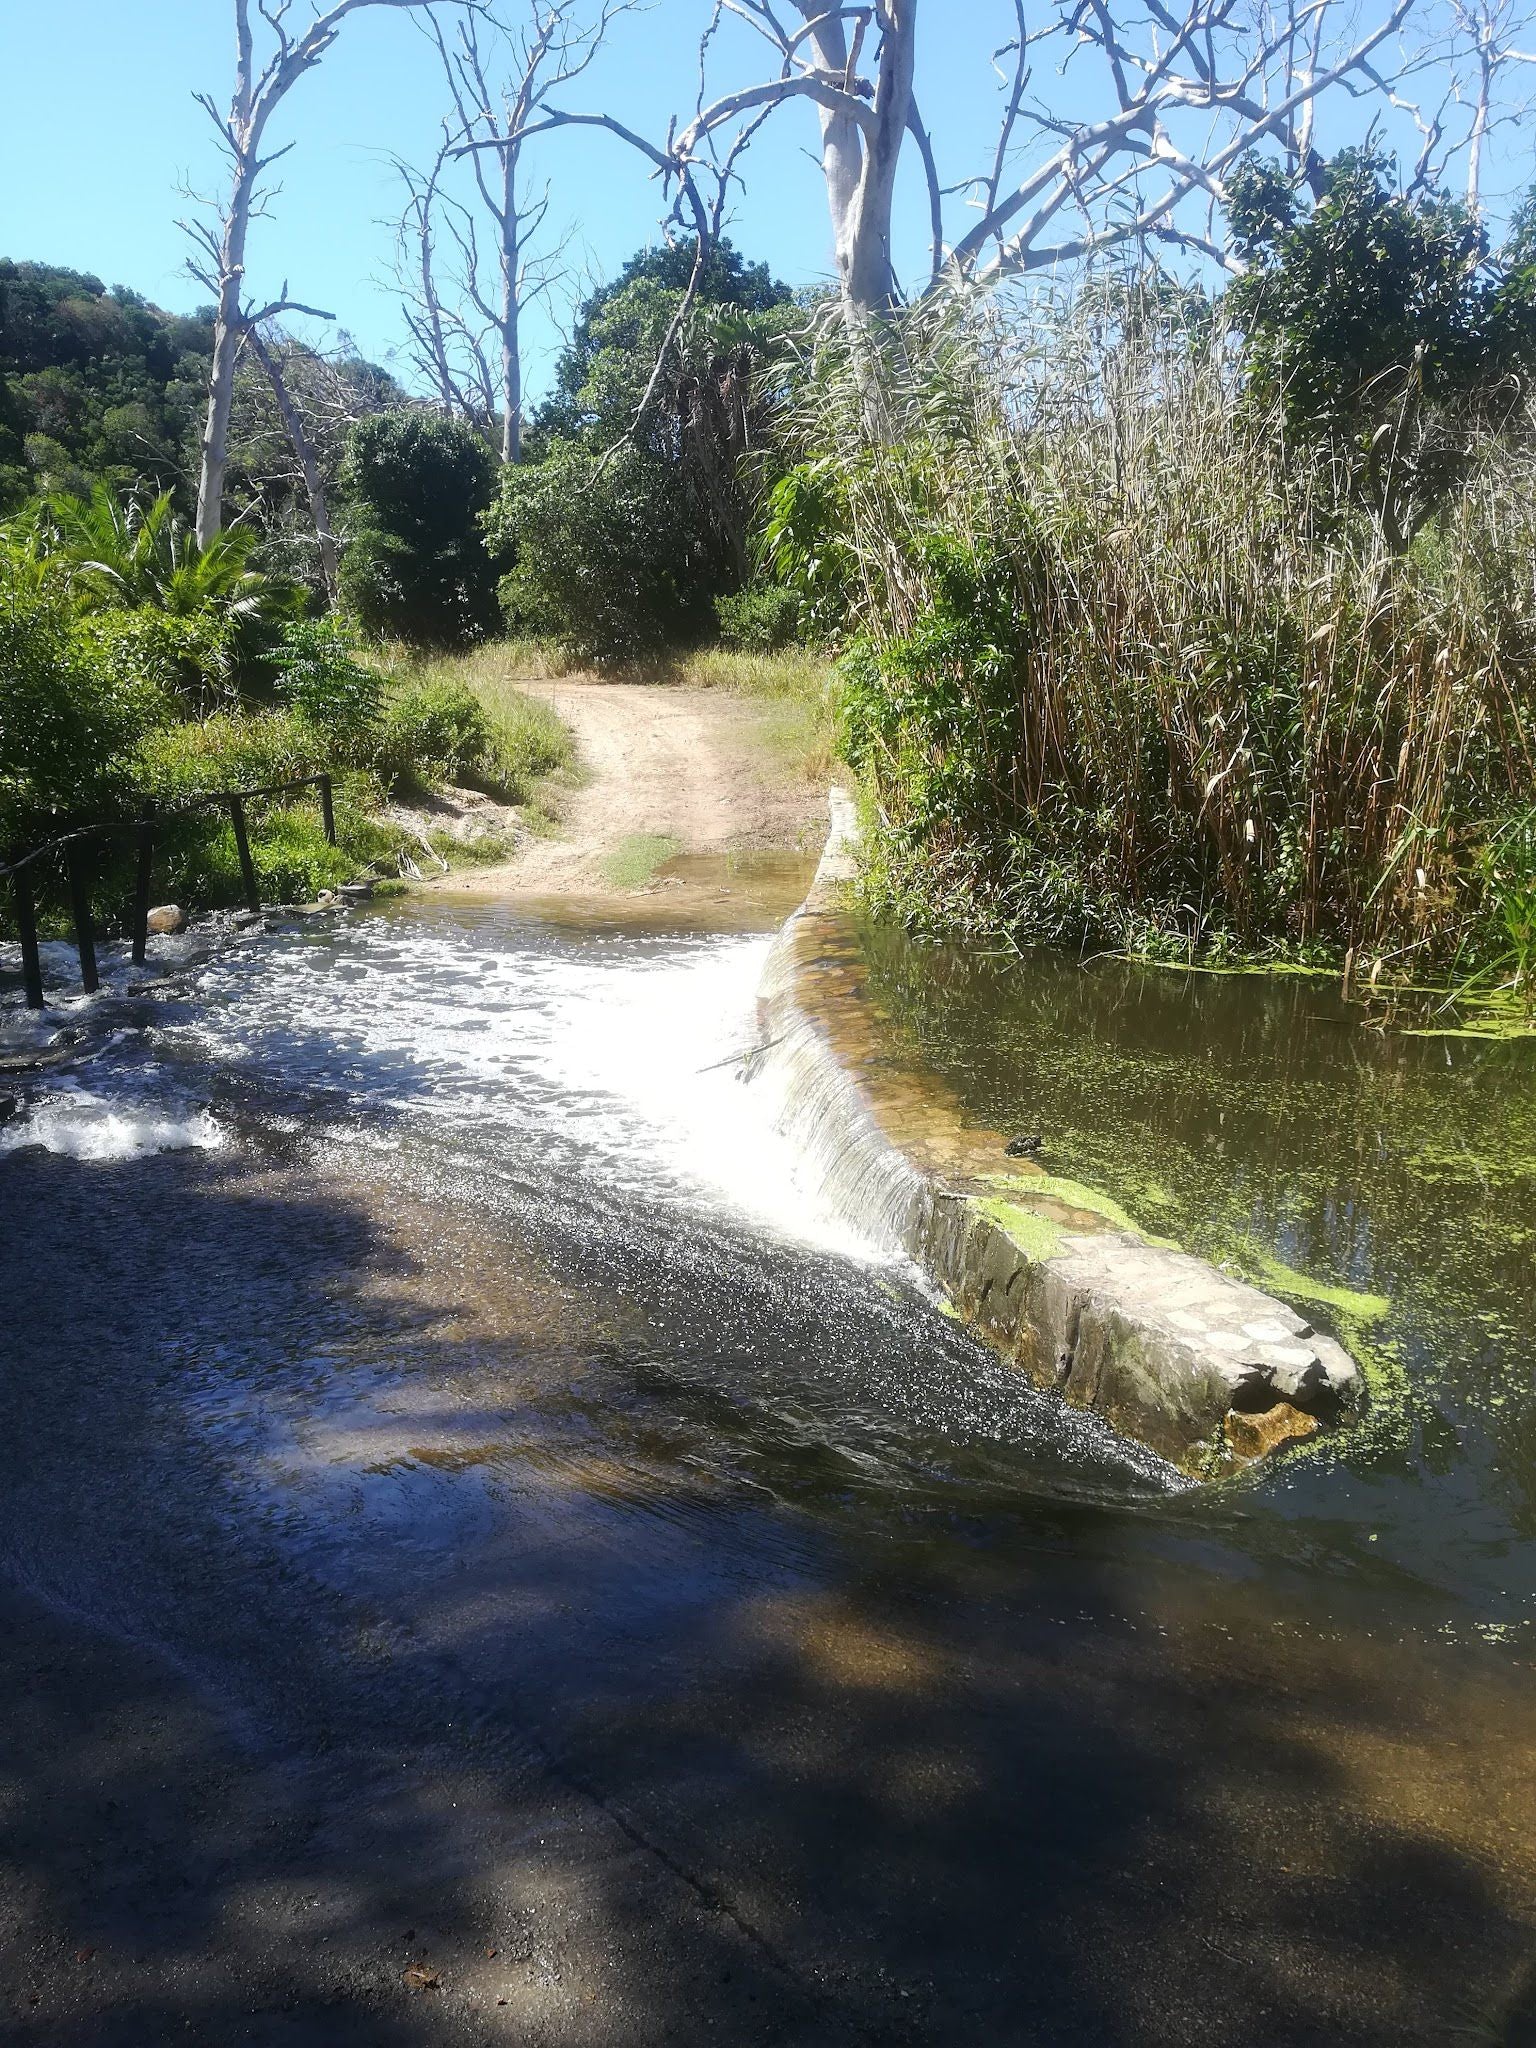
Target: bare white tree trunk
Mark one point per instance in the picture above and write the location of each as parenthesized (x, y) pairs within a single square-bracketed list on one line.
[(221, 266), (1186, 92), (307, 457), (228, 332), (499, 79)]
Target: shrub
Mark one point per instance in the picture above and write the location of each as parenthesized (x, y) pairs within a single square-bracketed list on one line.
[(806, 543), (1126, 678), (71, 714), (761, 619), (435, 729), (192, 660), (321, 678), (596, 558), (1379, 328), (231, 750), (415, 567)]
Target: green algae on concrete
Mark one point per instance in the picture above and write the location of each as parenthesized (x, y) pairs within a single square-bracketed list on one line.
[(1265, 1270), (1076, 1194), (1035, 1235)]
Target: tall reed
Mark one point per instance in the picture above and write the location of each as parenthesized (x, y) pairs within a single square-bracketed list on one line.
[(1127, 669)]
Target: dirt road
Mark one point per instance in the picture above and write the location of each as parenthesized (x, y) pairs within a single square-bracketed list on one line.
[(659, 764)]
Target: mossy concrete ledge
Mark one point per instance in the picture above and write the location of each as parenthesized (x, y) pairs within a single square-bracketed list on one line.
[(1205, 1369)]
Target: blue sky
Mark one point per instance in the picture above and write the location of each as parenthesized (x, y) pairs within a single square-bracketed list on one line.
[(99, 134)]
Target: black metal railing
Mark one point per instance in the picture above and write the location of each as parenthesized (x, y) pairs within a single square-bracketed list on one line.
[(73, 843)]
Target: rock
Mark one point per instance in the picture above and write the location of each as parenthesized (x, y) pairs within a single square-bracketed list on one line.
[(355, 892), (167, 917), (1023, 1148), (1264, 1430), (244, 919), (9, 1106)]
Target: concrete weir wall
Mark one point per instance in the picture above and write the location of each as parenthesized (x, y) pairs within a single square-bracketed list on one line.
[(1205, 1369)]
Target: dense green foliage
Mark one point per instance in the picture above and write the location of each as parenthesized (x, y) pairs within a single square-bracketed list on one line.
[(635, 512), (594, 550), (1379, 329), (95, 386), (101, 389), (114, 630), (416, 568), (761, 619), (72, 712), (601, 375), (319, 674), (1122, 678)]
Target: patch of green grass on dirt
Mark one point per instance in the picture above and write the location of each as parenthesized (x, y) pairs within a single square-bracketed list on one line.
[(634, 861)]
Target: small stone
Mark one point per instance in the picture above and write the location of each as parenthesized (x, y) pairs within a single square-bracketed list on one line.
[(1256, 1435), (355, 892), (167, 917), (244, 919), (1024, 1147)]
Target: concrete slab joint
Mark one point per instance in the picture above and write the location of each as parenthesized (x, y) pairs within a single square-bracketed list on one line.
[(1194, 1362)]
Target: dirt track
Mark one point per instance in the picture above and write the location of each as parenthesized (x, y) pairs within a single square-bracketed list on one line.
[(682, 764)]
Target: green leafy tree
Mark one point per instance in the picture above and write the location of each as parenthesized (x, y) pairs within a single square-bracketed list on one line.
[(415, 567), (601, 375), (663, 461), (94, 385), (1379, 326), (599, 552), (72, 712)]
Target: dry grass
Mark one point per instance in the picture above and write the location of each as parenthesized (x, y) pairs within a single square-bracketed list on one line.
[(1193, 688)]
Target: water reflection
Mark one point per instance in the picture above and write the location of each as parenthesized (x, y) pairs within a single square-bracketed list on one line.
[(504, 1384), (1254, 1120)]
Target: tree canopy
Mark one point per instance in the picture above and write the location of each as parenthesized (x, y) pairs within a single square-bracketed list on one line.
[(1380, 322), (95, 385)]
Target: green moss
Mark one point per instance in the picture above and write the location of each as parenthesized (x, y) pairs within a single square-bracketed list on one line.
[(1035, 1235), (1267, 1271), (1075, 1194)]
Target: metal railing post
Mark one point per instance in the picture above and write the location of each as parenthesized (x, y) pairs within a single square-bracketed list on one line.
[(26, 926)]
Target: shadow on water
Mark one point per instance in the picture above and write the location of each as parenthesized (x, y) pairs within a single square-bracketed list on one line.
[(462, 1552), (388, 1594)]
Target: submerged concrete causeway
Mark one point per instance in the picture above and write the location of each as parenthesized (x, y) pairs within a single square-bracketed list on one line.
[(1208, 1371)]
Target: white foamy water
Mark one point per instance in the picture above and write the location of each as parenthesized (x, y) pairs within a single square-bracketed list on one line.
[(84, 1125), (621, 1052)]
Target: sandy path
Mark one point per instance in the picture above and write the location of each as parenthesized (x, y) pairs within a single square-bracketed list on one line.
[(688, 765)]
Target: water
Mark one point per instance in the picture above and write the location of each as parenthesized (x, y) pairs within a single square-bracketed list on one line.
[(1253, 1119), (449, 1289)]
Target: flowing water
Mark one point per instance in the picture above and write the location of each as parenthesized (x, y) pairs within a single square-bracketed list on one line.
[(478, 1302)]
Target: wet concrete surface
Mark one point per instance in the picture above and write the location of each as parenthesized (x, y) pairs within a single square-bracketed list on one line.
[(437, 1573)]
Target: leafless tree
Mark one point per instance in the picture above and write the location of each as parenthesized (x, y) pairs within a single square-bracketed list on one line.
[(1187, 90), (500, 69), (262, 81), (451, 331), (293, 408), (307, 457)]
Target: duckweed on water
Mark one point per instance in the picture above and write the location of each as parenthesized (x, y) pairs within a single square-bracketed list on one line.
[(1383, 1184)]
